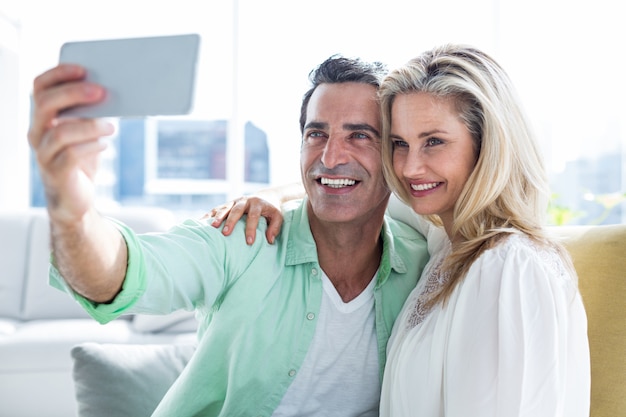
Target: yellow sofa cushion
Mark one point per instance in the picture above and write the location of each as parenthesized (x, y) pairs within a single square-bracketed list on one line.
[(599, 255)]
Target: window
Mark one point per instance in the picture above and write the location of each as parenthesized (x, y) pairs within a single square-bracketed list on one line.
[(180, 164)]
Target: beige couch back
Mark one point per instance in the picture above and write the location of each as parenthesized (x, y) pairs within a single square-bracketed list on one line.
[(599, 255)]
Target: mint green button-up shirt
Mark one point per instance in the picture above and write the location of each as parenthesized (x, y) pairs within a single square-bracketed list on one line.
[(256, 304)]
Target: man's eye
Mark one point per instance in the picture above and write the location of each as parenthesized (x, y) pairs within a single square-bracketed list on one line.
[(359, 135), (315, 135)]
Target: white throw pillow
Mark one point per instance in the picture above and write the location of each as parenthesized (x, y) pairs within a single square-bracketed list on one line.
[(125, 380)]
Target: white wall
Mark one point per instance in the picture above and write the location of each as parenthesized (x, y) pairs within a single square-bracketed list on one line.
[(14, 171)]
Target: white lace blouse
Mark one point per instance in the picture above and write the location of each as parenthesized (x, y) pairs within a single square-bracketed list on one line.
[(511, 341)]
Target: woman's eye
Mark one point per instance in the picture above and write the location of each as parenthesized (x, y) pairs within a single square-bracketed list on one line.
[(433, 142), (400, 144)]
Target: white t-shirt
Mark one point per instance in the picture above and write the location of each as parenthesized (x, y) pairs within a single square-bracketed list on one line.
[(511, 340), (340, 373)]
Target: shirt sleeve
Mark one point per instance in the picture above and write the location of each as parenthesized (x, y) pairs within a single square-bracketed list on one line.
[(185, 268), (132, 288), (510, 350)]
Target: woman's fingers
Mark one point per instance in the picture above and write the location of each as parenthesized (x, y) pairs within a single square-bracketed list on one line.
[(275, 222), (219, 213), (230, 213)]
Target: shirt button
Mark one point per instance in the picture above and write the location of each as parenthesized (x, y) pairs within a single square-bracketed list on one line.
[(292, 372), (310, 316), (314, 271)]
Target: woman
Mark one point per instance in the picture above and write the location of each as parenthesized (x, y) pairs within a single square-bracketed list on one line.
[(496, 325)]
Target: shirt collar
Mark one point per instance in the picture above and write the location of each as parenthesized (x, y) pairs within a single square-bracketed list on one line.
[(390, 259), (301, 247)]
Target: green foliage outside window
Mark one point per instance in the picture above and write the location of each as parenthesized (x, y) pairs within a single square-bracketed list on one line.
[(560, 215)]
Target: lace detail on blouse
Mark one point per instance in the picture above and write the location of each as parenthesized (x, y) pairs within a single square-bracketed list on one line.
[(434, 282), (436, 278), (551, 259)]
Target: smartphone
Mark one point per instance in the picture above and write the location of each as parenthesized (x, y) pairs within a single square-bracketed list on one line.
[(146, 76)]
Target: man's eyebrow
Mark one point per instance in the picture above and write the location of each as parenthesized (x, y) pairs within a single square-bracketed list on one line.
[(316, 125), (361, 126), (346, 126)]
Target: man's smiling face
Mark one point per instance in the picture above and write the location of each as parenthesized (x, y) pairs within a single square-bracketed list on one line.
[(340, 158)]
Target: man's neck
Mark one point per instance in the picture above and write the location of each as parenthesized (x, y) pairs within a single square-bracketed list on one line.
[(349, 254)]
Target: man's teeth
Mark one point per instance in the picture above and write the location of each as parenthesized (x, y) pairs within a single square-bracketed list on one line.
[(424, 187), (337, 183)]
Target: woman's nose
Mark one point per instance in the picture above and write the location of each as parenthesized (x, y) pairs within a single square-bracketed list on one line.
[(413, 165)]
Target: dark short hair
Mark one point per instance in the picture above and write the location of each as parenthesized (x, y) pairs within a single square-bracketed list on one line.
[(339, 69)]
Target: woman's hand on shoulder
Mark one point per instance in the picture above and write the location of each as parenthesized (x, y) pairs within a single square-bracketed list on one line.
[(255, 207)]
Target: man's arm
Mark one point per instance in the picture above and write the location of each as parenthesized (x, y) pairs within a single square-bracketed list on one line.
[(88, 250), (91, 255)]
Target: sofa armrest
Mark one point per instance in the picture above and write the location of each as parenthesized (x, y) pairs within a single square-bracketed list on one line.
[(599, 256)]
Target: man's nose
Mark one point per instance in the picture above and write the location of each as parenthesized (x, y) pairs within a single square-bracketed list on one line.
[(335, 153)]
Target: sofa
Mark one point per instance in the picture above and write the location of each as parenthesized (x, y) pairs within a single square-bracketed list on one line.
[(55, 361), (39, 325), (104, 387), (599, 255)]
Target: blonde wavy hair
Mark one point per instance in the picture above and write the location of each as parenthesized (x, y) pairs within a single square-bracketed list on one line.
[(508, 191)]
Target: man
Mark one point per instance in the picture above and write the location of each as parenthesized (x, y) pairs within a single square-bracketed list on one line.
[(298, 327)]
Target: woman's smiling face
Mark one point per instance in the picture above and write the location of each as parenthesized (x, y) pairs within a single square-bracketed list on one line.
[(433, 152)]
